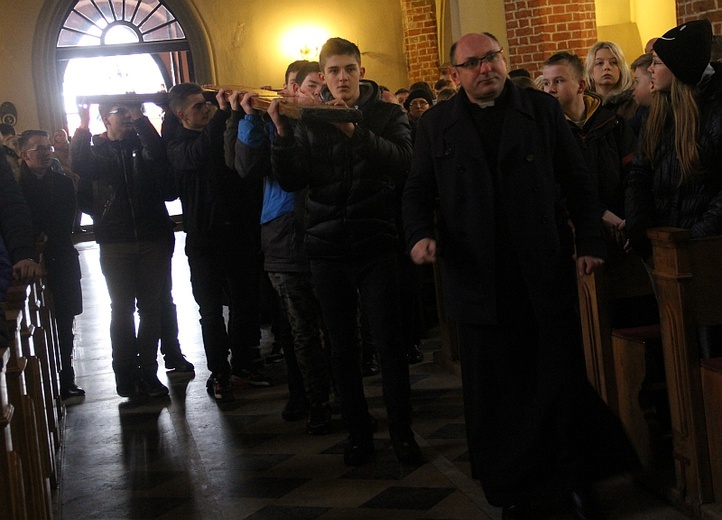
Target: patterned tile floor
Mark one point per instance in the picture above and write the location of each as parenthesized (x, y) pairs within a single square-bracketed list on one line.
[(186, 457)]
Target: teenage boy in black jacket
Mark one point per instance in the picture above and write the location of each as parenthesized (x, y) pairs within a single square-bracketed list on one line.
[(351, 238), (221, 215)]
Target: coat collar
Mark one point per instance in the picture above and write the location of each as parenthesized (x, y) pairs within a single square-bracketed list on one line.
[(519, 113)]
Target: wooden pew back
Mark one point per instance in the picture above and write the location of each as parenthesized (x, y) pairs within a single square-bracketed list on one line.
[(688, 275)]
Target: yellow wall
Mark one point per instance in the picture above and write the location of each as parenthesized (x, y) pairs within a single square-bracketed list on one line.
[(16, 59), (653, 17), (244, 37), (474, 16), (631, 23)]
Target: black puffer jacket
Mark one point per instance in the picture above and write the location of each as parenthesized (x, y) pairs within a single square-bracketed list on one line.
[(219, 208), (351, 205), (654, 196), (607, 144), (124, 184)]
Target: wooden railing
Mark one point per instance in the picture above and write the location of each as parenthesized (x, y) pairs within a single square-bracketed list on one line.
[(688, 275), (688, 280), (31, 411)]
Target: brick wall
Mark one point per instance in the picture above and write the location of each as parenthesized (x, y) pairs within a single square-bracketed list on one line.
[(695, 9), (536, 29), (420, 40)]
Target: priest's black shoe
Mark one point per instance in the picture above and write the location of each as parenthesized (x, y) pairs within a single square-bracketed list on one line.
[(359, 450), (517, 512), (68, 388), (71, 390), (407, 451)]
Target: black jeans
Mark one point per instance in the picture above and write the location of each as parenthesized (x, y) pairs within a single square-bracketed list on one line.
[(338, 284), (222, 276), (304, 316), (135, 273)]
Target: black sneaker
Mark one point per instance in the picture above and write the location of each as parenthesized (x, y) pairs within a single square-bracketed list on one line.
[(251, 377), (407, 449), (124, 384), (415, 355), (359, 450), (319, 421), (148, 383), (220, 387), (295, 410), (178, 363)]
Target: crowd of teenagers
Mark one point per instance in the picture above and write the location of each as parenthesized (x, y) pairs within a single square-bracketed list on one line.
[(513, 186)]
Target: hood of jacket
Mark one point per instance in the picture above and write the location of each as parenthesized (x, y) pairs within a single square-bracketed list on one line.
[(369, 91)]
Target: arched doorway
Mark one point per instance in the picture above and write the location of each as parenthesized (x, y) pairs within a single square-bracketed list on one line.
[(120, 46), (78, 29)]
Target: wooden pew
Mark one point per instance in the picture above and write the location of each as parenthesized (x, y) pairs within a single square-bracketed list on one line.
[(712, 393), (624, 277), (46, 354), (688, 276), (24, 426), (36, 378), (12, 490)]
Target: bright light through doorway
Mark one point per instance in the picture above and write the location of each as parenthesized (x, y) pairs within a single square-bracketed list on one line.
[(112, 75)]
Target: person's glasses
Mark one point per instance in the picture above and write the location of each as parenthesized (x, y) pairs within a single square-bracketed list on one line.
[(474, 63), (42, 149), (120, 111), (419, 103)]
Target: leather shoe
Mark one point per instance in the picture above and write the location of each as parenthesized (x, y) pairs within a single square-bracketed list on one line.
[(71, 390), (408, 451), (358, 451)]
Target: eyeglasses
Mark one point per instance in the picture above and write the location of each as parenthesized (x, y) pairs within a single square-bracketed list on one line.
[(419, 103), (474, 63), (42, 149), (120, 111)]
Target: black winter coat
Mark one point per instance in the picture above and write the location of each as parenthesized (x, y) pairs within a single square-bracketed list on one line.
[(538, 163), (654, 196), (123, 184), (219, 208), (351, 206), (282, 237), (16, 224), (607, 144), (52, 203)]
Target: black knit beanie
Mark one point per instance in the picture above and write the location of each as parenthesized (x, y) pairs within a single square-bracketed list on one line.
[(686, 50), (419, 93)]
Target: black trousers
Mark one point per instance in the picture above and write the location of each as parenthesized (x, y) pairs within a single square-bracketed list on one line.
[(223, 276), (338, 284), (535, 426)]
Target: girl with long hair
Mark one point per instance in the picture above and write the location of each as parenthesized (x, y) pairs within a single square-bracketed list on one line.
[(676, 176)]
